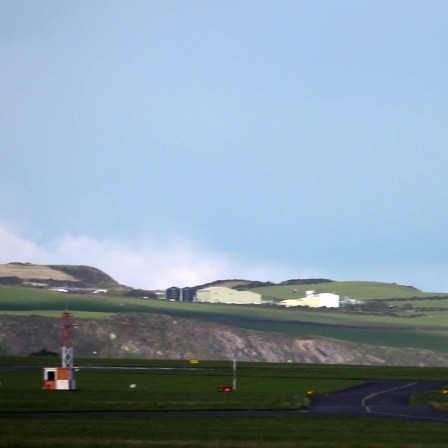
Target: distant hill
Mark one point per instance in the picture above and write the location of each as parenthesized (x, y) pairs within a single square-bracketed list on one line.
[(359, 290), (80, 276), (294, 288), (393, 324), (77, 276), (249, 284), (235, 284)]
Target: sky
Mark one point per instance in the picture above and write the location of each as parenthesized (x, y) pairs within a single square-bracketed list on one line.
[(174, 143)]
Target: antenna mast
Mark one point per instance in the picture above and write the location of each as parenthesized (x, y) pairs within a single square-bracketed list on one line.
[(67, 339), (63, 378)]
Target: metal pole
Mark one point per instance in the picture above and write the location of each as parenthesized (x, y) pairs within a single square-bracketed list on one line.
[(234, 374)]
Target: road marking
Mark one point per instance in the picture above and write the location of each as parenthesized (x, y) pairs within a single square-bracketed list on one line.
[(410, 416), (375, 394)]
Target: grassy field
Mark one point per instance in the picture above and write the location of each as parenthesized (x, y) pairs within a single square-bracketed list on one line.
[(424, 325), (355, 290), (249, 369), (259, 386), (219, 432), (33, 301), (164, 390)]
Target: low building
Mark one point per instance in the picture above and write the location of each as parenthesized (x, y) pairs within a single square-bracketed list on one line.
[(180, 294), (220, 294), (59, 378), (188, 294), (314, 300), (173, 294)]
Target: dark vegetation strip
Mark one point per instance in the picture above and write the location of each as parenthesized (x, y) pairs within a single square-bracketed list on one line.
[(222, 432), (338, 371), (413, 299)]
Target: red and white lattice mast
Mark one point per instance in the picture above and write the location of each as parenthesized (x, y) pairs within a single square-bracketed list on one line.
[(67, 326)]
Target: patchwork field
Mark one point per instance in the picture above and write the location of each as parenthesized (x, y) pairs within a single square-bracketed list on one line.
[(22, 274), (32, 271)]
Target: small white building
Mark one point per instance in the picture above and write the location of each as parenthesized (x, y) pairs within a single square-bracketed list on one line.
[(314, 300), (220, 294), (59, 378)]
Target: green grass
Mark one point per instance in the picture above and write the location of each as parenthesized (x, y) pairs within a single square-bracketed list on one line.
[(260, 386), (29, 300), (438, 398), (219, 432), (23, 300), (355, 290), (422, 303), (248, 369), (180, 390)]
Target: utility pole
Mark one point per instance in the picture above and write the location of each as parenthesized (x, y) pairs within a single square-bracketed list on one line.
[(234, 374)]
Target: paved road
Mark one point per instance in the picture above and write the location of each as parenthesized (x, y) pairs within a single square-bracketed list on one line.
[(383, 399)]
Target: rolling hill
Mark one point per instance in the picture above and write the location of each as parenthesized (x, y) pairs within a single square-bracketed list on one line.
[(55, 275), (396, 325)]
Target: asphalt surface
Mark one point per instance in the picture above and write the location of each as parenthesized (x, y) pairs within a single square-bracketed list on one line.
[(382, 399)]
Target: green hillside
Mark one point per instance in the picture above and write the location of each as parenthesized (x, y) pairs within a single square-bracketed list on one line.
[(355, 290), (384, 319), (78, 276)]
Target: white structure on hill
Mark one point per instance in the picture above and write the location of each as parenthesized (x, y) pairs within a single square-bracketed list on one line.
[(314, 300), (219, 294)]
